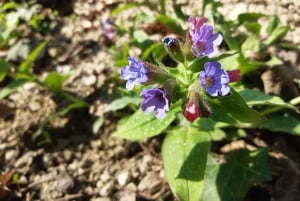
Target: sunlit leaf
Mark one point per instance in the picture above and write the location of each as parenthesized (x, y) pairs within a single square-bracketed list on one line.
[(144, 125), (184, 153)]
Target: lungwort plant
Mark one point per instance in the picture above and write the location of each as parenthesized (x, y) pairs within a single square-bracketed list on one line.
[(193, 104)]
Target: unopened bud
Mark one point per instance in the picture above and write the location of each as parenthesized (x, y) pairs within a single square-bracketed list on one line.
[(174, 48), (195, 107), (234, 75)]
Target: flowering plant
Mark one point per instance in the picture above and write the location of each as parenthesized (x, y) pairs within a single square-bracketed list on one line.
[(199, 96)]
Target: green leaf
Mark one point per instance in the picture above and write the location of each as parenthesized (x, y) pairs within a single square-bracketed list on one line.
[(282, 123), (233, 109), (184, 153), (140, 36), (253, 27), (274, 22), (249, 17), (276, 35), (26, 65), (162, 6), (122, 102), (254, 97), (12, 87), (97, 125), (3, 69), (251, 44), (178, 12), (122, 8), (198, 64), (232, 180), (143, 125), (54, 81)]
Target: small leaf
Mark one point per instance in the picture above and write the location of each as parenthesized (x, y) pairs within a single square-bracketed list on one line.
[(12, 87), (184, 153), (97, 125), (140, 36), (232, 180), (26, 65), (254, 97), (143, 125), (54, 81), (122, 102), (274, 22), (3, 69), (276, 35), (249, 17), (233, 109), (251, 44), (162, 6), (179, 13), (282, 123), (122, 8), (253, 27)]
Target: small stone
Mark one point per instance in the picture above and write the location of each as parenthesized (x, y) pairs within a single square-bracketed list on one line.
[(10, 154), (105, 176), (107, 189), (65, 182), (123, 178)]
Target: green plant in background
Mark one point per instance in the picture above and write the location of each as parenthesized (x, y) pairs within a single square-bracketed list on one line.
[(196, 97)]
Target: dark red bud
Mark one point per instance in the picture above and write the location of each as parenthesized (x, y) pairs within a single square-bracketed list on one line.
[(191, 111), (234, 75)]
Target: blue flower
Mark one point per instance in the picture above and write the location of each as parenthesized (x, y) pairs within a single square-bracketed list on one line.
[(204, 42), (155, 100), (135, 73), (214, 79)]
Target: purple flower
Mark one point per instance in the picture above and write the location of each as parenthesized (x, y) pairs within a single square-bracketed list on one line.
[(195, 24), (108, 32), (155, 100), (134, 73), (214, 79), (204, 42)]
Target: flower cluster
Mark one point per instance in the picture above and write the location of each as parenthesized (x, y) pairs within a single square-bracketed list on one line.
[(201, 41)]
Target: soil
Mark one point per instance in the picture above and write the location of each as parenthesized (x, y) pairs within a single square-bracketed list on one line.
[(79, 164)]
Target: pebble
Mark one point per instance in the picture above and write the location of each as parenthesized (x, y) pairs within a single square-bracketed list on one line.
[(65, 182), (107, 189), (123, 178)]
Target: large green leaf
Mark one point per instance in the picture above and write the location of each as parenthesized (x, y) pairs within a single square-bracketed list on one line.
[(282, 123), (254, 97), (184, 153), (233, 109), (142, 125), (232, 180)]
